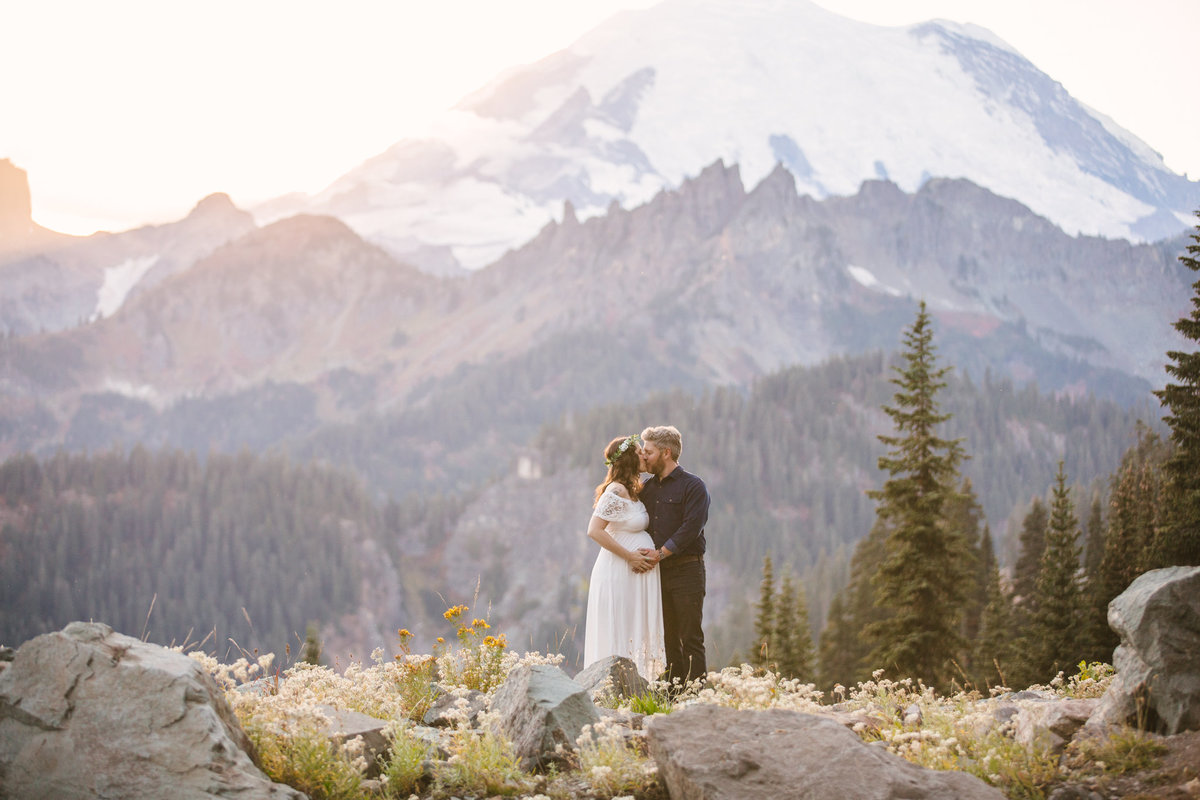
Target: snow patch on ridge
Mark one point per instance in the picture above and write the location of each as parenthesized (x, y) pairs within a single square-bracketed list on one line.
[(144, 392), (118, 282), (867, 278)]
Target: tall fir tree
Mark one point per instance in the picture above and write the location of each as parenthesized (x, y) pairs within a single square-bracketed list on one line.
[(1029, 557), (785, 626), (845, 645), (1095, 623), (763, 649), (923, 578), (1135, 511), (964, 514), (1093, 533), (792, 632), (835, 660), (1055, 640), (995, 650), (1180, 543)]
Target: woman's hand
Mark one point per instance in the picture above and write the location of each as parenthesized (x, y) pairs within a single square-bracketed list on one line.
[(639, 561)]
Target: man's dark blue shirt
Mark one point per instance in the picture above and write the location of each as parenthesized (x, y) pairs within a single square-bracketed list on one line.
[(678, 508)]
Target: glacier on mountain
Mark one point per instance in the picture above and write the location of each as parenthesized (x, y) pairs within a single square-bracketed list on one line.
[(649, 98)]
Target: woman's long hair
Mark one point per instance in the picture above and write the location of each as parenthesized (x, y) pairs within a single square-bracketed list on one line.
[(625, 469)]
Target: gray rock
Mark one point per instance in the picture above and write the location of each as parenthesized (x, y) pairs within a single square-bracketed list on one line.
[(622, 717), (345, 725), (86, 713), (541, 709), (616, 673), (708, 752), (854, 720), (444, 712), (1157, 685), (1052, 725), (440, 741)]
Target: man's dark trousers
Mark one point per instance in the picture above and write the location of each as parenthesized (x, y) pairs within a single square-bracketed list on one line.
[(683, 613)]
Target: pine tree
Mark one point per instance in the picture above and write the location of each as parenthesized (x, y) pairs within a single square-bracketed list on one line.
[(792, 632), (964, 515), (923, 579), (784, 634), (1135, 511), (995, 650), (1029, 560), (310, 653), (1095, 624), (763, 649), (845, 643), (1055, 630), (835, 660), (1181, 542), (1093, 531)]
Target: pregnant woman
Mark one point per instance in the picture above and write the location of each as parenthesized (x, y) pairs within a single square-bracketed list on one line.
[(624, 611)]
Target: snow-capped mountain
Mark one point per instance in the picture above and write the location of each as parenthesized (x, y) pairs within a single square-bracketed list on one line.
[(651, 97)]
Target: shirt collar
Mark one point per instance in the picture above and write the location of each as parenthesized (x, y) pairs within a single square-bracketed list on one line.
[(673, 474)]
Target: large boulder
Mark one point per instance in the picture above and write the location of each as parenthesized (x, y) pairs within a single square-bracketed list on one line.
[(615, 676), (1052, 724), (542, 712), (86, 713), (709, 752), (1157, 685)]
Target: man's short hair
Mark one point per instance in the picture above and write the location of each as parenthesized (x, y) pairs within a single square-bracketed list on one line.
[(666, 437)]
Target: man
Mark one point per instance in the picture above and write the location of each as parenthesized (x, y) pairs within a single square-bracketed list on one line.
[(677, 502)]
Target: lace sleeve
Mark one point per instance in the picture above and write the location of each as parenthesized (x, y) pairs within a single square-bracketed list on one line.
[(612, 507)]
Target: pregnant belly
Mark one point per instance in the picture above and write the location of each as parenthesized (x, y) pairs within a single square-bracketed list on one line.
[(633, 539)]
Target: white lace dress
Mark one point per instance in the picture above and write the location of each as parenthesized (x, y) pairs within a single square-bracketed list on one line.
[(624, 610)]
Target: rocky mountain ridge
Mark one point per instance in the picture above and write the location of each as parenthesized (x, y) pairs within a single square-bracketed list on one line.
[(707, 285)]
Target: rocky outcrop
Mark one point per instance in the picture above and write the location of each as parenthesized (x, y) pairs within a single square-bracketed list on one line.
[(86, 712), (615, 676), (16, 219), (713, 753), (1158, 660), (19, 234), (1053, 724), (450, 709), (542, 712)]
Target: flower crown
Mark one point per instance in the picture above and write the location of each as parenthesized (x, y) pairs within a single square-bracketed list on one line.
[(634, 439)]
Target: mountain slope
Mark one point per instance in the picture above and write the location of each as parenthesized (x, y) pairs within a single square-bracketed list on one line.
[(290, 302), (651, 97)]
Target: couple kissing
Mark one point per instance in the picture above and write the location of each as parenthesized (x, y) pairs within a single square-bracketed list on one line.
[(646, 595)]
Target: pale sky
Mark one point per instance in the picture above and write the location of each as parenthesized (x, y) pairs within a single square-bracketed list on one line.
[(128, 112)]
